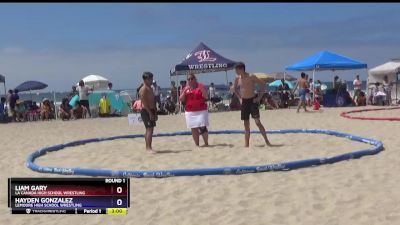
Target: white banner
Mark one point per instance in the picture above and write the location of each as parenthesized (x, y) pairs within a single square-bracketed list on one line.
[(134, 118)]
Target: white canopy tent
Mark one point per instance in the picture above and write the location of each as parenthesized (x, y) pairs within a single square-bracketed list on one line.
[(390, 69), (97, 82)]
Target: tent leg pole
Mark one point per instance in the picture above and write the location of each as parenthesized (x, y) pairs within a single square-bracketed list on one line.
[(313, 81), (55, 104), (227, 82), (5, 89), (397, 81)]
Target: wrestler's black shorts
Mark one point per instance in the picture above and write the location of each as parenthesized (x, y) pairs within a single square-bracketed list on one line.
[(146, 119), (249, 107)]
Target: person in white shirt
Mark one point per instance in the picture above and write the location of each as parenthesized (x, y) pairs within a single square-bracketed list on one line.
[(84, 95), (387, 87), (357, 87), (157, 92), (211, 91)]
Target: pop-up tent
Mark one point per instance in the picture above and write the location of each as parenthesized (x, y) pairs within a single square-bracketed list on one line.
[(203, 60), (390, 69), (96, 82), (325, 60)]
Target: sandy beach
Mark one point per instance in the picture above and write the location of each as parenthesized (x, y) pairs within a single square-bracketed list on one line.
[(361, 191)]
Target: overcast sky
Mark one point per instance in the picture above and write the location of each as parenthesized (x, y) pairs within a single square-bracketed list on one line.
[(60, 43)]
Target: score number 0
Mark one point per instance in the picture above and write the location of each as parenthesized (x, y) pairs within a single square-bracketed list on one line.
[(119, 191)]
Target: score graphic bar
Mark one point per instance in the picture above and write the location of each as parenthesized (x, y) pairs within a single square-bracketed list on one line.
[(68, 195)]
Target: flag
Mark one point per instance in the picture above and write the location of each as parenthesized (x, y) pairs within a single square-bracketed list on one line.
[(2, 79)]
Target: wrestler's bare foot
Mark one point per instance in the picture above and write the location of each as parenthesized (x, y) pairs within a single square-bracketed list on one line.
[(151, 151)]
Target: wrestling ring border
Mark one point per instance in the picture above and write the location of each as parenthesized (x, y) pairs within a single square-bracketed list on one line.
[(234, 170)]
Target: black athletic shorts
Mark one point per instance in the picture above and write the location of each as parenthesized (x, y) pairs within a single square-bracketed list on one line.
[(146, 119), (85, 103), (249, 107)]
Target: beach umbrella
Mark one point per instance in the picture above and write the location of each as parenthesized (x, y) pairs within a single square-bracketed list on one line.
[(267, 78), (278, 83), (30, 86)]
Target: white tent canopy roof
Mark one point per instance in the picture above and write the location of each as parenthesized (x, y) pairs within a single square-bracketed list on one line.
[(391, 67), (96, 81)]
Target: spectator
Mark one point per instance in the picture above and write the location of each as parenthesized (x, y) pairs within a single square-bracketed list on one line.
[(46, 110), (157, 93), (65, 110), (20, 111), (174, 92), (13, 101), (357, 87), (137, 106), (211, 91), (387, 87), (79, 112), (3, 111), (72, 93), (84, 96), (104, 107), (361, 99)]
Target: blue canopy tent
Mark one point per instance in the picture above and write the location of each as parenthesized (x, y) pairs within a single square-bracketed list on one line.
[(325, 60), (203, 60)]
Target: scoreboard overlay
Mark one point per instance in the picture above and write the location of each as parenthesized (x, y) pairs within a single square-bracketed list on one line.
[(69, 195)]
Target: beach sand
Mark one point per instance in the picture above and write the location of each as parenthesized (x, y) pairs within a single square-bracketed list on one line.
[(361, 191)]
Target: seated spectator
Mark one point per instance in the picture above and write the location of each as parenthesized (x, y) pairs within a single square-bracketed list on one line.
[(362, 99), (137, 106), (104, 107), (378, 95), (169, 105), (65, 112), (53, 110), (20, 111), (79, 112), (3, 111), (46, 110)]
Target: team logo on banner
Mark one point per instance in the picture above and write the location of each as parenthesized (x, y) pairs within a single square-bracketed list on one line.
[(28, 211), (204, 56)]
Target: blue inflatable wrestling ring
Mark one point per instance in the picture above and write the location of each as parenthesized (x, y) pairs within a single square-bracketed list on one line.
[(378, 146)]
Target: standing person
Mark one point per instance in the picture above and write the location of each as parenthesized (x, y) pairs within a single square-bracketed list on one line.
[(84, 95), (387, 87), (13, 102), (357, 88), (249, 100), (104, 107), (3, 110), (284, 93), (308, 95), (211, 91), (174, 92), (157, 92), (9, 97), (149, 111), (196, 112), (302, 85), (181, 87)]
